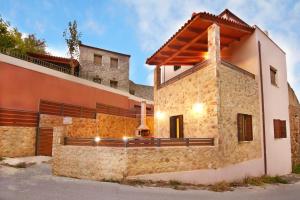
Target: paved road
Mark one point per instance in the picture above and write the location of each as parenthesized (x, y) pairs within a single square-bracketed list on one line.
[(36, 183)]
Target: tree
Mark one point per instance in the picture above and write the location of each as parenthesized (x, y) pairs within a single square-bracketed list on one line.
[(72, 37), (12, 39)]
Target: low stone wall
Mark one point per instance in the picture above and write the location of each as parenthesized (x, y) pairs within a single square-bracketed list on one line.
[(113, 163), (17, 141)]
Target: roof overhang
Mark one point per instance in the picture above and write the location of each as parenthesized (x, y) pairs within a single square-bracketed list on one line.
[(189, 45)]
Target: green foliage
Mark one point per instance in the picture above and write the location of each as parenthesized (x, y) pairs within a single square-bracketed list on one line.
[(296, 169), (11, 38), (72, 37)]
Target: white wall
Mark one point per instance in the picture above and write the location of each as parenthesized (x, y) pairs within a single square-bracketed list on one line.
[(167, 71), (276, 105)]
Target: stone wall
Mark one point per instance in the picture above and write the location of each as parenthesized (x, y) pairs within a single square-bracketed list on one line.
[(179, 97), (294, 115), (17, 141), (90, 71), (143, 91), (224, 92), (238, 93), (106, 126), (109, 163)]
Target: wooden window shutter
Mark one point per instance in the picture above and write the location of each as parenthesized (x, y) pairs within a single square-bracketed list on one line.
[(240, 125), (277, 128), (283, 129), (248, 128)]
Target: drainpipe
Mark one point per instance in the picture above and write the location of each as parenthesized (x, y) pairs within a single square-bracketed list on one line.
[(263, 107)]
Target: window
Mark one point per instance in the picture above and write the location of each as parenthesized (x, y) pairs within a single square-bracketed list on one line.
[(114, 62), (279, 128), (113, 84), (176, 67), (97, 59), (131, 91), (244, 125), (97, 79), (273, 75)]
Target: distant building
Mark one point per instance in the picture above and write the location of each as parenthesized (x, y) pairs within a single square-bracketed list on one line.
[(111, 69)]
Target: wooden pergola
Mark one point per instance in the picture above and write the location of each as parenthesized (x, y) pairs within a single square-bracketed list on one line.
[(189, 45)]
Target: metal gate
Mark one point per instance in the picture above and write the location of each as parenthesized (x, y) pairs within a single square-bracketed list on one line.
[(45, 140)]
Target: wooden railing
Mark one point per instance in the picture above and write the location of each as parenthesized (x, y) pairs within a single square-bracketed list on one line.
[(153, 142), (27, 58), (9, 117), (61, 109)]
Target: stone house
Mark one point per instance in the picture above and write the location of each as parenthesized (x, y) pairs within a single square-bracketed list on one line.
[(219, 77), (111, 69), (216, 79)]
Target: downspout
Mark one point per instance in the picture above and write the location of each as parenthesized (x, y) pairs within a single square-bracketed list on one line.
[(263, 108)]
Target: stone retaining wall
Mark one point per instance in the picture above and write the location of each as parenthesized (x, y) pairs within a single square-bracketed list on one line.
[(17, 141), (111, 163)]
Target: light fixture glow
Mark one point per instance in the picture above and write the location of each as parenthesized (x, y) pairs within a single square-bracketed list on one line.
[(159, 115), (198, 108), (97, 139), (206, 56), (125, 138)]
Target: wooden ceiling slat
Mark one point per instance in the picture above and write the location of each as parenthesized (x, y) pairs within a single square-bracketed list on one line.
[(195, 30), (185, 47)]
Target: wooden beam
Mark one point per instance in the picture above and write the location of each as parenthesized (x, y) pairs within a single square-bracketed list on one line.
[(176, 47), (185, 47), (191, 54), (222, 35), (201, 49), (167, 53), (195, 30), (184, 39)]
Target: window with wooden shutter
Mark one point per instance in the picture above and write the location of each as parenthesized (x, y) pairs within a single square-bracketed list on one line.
[(244, 126), (114, 62), (273, 74), (279, 128), (97, 59)]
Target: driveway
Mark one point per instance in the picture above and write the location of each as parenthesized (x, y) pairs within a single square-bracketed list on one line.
[(36, 182)]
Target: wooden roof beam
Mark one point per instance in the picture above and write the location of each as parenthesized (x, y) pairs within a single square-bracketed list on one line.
[(222, 35), (185, 47)]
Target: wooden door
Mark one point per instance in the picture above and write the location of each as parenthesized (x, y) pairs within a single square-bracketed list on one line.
[(176, 126), (44, 141)]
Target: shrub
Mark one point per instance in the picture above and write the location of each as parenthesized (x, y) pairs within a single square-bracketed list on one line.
[(296, 169)]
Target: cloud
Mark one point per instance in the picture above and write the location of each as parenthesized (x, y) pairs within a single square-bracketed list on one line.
[(150, 74), (57, 51), (93, 27), (158, 20)]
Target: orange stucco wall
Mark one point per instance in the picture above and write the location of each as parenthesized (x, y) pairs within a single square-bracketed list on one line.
[(22, 89)]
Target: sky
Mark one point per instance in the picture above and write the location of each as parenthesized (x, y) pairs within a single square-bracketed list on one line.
[(140, 27)]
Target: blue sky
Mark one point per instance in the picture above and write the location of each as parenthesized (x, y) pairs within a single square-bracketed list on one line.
[(139, 27)]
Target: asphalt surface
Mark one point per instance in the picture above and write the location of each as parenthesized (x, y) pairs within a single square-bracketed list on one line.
[(37, 183)]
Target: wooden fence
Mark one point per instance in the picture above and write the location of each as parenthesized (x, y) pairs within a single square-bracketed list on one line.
[(9, 117), (153, 142), (112, 110), (61, 109)]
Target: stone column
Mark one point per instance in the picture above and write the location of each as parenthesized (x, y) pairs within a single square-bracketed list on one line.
[(214, 44), (58, 137)]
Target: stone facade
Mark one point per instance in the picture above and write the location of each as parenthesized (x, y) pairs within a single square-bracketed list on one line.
[(294, 115), (17, 141), (106, 126), (105, 72), (143, 91), (238, 93), (108, 163), (178, 99)]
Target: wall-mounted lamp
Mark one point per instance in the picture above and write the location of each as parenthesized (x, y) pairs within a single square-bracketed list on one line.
[(159, 115), (97, 139), (198, 108), (125, 138)]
